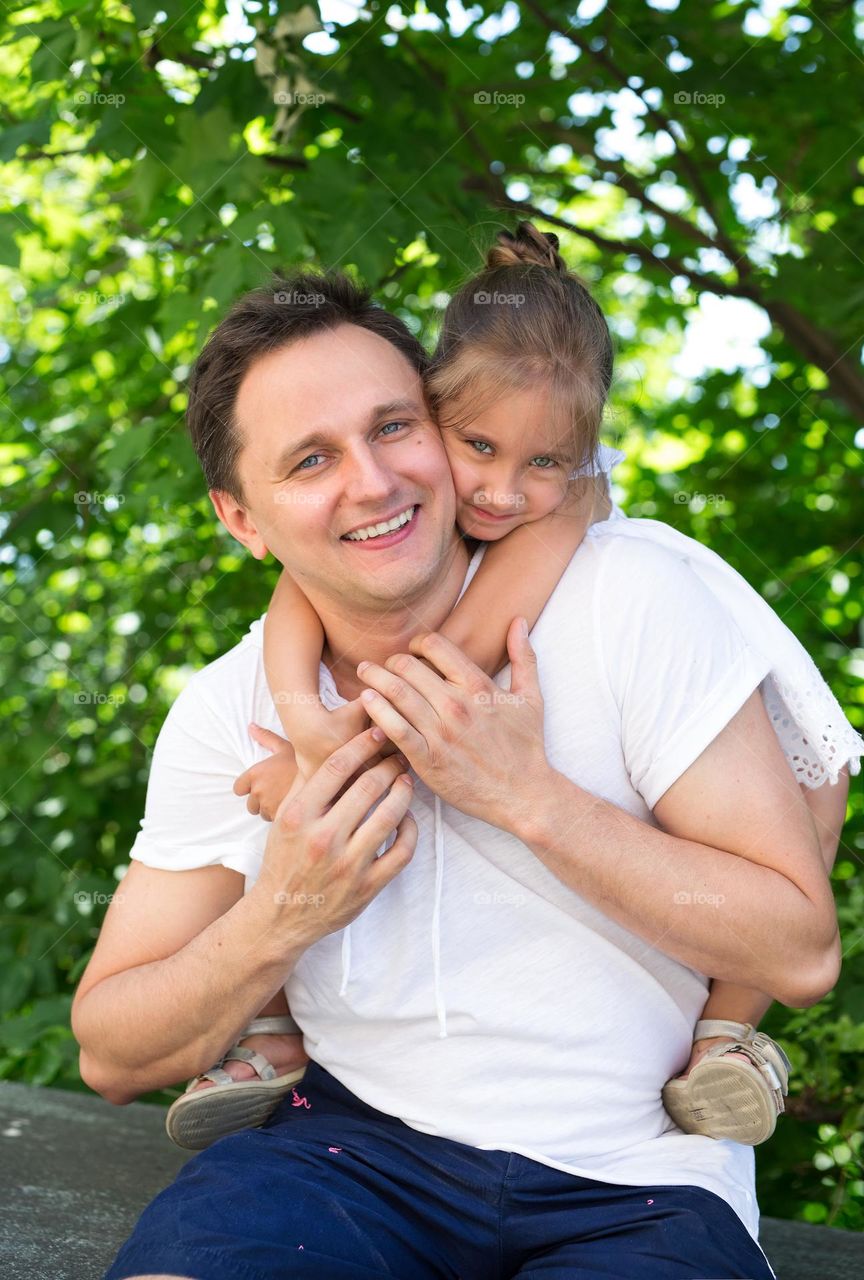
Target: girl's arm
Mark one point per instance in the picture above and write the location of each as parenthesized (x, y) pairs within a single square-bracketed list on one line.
[(293, 643), (518, 575)]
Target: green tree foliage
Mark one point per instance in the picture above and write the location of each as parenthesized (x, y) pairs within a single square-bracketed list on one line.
[(157, 164)]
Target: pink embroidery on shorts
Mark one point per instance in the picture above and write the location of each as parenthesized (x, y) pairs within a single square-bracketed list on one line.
[(649, 1201), (334, 1149), (300, 1102)]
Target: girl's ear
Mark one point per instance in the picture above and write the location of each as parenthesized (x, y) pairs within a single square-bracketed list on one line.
[(238, 522)]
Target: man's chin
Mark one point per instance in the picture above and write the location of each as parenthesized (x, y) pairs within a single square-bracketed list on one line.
[(400, 573)]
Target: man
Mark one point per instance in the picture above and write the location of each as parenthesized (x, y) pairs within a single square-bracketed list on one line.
[(491, 1006)]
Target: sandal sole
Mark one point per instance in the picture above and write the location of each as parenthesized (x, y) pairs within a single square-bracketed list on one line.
[(722, 1100), (198, 1119)]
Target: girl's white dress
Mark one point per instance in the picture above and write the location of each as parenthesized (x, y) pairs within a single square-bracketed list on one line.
[(814, 733)]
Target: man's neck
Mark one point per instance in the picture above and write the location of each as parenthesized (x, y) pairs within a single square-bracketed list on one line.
[(354, 636)]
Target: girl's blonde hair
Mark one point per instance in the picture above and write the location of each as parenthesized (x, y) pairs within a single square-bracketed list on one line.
[(524, 321)]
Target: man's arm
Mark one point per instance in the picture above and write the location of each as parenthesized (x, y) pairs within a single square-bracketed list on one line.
[(737, 827), (182, 963), (734, 885)]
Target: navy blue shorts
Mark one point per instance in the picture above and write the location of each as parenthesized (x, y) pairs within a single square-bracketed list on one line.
[(332, 1188)]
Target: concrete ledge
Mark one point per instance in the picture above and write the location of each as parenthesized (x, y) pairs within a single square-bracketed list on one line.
[(75, 1173)]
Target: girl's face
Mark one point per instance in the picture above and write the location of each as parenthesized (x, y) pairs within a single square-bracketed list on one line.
[(509, 466)]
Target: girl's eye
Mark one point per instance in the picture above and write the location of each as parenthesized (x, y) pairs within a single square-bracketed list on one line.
[(546, 462), (479, 445)]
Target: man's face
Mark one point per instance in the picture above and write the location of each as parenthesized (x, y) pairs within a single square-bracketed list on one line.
[(337, 438)]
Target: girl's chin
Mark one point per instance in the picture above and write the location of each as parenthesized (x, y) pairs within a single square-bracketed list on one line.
[(483, 532)]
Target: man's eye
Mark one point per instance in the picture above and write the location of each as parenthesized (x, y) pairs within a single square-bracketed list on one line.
[(479, 445), (302, 466), (392, 424)]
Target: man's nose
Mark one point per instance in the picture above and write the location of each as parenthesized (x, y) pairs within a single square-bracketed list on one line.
[(368, 476)]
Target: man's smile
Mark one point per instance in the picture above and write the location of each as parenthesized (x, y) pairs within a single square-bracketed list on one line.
[(386, 532)]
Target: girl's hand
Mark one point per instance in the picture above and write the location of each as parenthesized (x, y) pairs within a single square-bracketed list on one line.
[(268, 782), (330, 731)]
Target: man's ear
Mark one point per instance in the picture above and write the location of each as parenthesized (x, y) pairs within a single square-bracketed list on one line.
[(238, 522)]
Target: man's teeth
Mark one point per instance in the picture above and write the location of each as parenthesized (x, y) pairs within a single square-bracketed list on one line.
[(375, 530)]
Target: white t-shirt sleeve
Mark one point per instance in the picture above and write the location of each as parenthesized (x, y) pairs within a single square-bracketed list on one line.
[(192, 817), (677, 665)]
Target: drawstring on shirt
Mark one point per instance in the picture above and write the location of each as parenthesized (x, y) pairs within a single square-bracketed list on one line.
[(440, 1006)]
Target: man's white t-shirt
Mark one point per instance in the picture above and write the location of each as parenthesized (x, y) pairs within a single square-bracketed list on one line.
[(477, 997)]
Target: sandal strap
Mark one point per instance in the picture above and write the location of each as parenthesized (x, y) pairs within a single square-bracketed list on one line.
[(257, 1061), (280, 1025), (707, 1027), (216, 1074)]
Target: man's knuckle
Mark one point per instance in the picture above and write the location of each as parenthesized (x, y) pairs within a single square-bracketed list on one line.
[(339, 765), (368, 786), (320, 842), (454, 711), (291, 816)]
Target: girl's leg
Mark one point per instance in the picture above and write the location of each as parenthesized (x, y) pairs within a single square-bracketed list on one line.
[(285, 1052)]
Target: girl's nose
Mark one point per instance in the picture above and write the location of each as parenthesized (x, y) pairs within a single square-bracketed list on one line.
[(498, 496)]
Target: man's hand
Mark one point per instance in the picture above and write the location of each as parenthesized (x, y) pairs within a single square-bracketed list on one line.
[(478, 747), (320, 867), (268, 782)]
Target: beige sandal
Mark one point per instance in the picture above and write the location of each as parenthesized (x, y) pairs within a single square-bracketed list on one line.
[(199, 1118), (724, 1097)]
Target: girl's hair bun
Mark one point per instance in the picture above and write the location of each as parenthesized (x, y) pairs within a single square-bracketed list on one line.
[(527, 245)]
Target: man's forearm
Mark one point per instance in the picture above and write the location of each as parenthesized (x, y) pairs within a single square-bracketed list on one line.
[(152, 1025), (714, 911)]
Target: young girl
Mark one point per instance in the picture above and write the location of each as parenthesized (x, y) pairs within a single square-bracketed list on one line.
[(518, 384)]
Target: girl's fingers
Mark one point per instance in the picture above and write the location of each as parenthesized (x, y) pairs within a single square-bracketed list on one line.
[(268, 740), (253, 804), (243, 784)]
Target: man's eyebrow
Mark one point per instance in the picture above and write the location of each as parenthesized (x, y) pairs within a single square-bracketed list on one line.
[(317, 439)]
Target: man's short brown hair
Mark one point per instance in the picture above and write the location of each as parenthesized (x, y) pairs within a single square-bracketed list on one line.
[(288, 308)]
